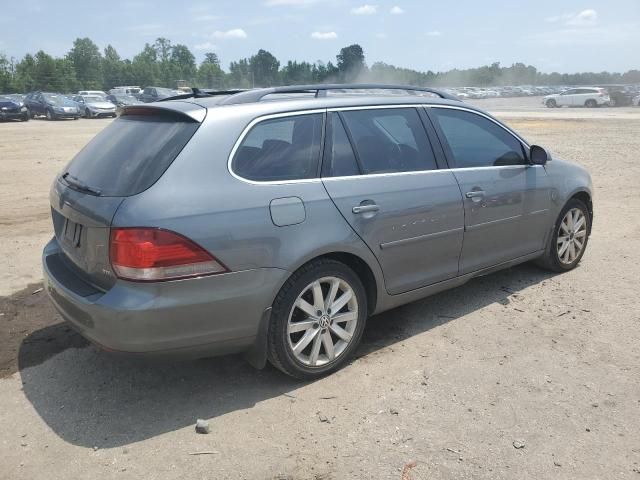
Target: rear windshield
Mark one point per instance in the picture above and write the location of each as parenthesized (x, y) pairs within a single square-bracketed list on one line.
[(132, 153)]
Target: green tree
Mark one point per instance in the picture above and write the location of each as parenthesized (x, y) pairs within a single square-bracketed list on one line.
[(351, 63), (112, 68), (210, 75), (264, 68), (183, 62), (144, 68), (87, 62), (240, 74), (211, 57)]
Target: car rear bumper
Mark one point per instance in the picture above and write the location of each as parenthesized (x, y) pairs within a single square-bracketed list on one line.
[(205, 316)]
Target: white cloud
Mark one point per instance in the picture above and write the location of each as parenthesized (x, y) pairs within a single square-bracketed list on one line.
[(365, 10), (324, 35), (434, 33), (229, 34), (206, 46), (396, 10), (585, 18)]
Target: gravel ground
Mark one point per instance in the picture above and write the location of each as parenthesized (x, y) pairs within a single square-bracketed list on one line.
[(519, 374)]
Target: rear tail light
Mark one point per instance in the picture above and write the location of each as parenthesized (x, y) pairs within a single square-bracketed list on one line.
[(151, 254)]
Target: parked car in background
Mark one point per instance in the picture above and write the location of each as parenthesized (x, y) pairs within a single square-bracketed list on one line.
[(98, 93), (121, 100), (620, 95), (95, 106), (578, 97), (153, 94), (215, 224), (636, 101), (13, 109), (128, 90), (52, 105)]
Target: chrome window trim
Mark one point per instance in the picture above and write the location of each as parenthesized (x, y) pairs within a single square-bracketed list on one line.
[(272, 116)]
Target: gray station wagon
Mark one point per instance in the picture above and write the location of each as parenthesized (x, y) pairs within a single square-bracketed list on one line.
[(275, 221)]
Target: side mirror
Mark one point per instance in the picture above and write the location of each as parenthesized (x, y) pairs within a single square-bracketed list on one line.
[(538, 155)]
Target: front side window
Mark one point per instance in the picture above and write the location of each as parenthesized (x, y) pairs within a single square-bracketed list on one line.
[(286, 148), (389, 140), (475, 141)]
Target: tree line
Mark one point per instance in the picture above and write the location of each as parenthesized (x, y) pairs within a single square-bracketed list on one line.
[(163, 63)]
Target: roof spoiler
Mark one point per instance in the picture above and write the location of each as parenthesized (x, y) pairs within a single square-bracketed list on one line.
[(191, 111)]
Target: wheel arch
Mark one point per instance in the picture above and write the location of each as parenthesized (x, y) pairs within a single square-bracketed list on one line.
[(256, 355), (584, 197)]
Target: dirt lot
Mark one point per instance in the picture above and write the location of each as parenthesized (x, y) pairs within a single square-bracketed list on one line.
[(520, 374)]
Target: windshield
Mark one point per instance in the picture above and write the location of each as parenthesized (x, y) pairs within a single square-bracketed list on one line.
[(93, 98), (60, 100)]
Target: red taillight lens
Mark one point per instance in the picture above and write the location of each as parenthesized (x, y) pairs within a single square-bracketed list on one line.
[(151, 254)]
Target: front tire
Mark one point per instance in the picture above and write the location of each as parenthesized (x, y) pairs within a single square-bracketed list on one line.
[(591, 103), (551, 103), (570, 238), (87, 113), (317, 320), (50, 115)]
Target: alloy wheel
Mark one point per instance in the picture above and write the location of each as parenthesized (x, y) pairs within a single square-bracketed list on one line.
[(322, 321), (572, 236)]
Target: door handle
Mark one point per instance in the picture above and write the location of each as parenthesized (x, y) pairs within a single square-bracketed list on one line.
[(365, 208), (475, 194)]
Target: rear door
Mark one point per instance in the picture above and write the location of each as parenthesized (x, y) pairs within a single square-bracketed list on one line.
[(380, 171), (506, 200), (124, 159)]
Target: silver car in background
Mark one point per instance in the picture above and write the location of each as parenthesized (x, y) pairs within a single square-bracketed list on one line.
[(275, 221), (95, 106)]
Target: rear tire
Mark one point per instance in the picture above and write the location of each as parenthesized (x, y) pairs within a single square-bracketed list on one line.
[(551, 103), (591, 103), (569, 240), (87, 113), (306, 340)]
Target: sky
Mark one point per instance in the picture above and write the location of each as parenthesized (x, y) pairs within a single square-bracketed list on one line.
[(553, 35)]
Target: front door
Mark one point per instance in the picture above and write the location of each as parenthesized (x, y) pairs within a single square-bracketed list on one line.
[(506, 200), (380, 171)]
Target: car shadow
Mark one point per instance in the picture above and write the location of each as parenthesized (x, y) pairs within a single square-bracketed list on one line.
[(95, 399)]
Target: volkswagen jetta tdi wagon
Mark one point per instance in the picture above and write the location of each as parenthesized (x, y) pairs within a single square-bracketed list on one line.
[(275, 221)]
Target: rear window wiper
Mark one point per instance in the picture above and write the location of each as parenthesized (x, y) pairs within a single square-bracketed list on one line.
[(80, 185)]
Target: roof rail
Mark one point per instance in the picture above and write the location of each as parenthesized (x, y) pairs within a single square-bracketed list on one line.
[(255, 95)]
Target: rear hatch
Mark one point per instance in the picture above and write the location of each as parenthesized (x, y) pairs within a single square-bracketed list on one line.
[(124, 159)]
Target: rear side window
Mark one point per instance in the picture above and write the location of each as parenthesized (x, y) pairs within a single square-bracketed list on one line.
[(286, 148), (389, 140), (132, 153), (475, 141)]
